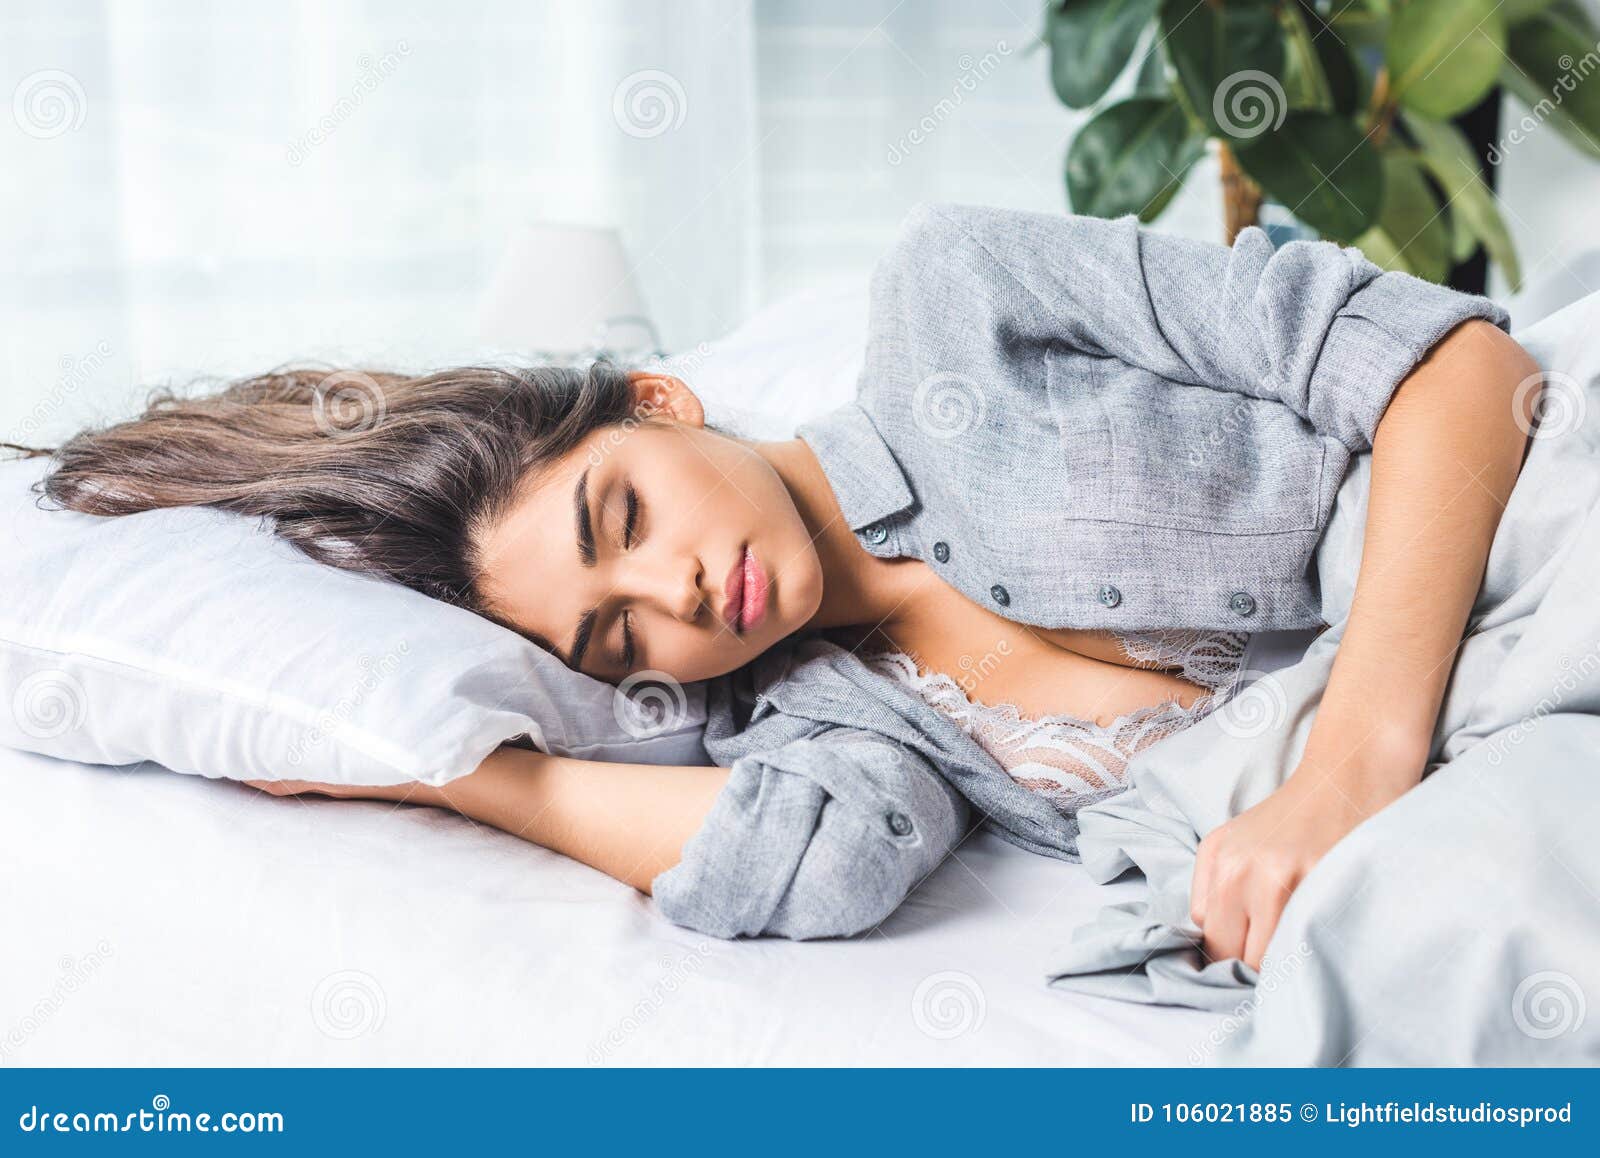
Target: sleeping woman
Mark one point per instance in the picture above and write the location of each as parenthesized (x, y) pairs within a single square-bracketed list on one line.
[(1085, 464)]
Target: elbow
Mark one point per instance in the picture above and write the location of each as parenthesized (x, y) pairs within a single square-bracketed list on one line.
[(1478, 374), (838, 888), (781, 856), (829, 899), (824, 899)]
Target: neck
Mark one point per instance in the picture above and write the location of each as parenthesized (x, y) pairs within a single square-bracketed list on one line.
[(858, 588)]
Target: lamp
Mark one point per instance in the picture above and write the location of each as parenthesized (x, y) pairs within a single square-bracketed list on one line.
[(565, 293)]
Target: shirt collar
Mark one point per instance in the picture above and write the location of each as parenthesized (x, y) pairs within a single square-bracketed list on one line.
[(865, 477)]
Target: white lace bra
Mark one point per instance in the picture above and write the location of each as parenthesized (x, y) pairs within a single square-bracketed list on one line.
[(1071, 761)]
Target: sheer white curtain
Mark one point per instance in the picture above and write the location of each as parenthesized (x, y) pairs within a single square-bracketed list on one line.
[(212, 189), (194, 188), (197, 189)]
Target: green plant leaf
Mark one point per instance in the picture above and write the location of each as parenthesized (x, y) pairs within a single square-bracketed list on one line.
[(1462, 242), (1360, 26), (1380, 249), (1564, 94), (1131, 157), (1411, 233), (1339, 71), (1090, 43), (1444, 55), (1303, 78), (1230, 64), (1519, 10), (1152, 79), (1322, 168), (1449, 158)]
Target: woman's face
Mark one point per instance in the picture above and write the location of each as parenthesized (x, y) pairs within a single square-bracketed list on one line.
[(657, 546)]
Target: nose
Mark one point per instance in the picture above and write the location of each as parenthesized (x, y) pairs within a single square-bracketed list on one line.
[(677, 586)]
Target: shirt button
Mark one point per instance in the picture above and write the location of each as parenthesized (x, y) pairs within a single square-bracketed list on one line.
[(941, 552), (1000, 595), (900, 824), (876, 533), (1110, 596), (1242, 603)]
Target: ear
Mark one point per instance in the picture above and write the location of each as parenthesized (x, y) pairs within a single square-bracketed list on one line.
[(663, 394)]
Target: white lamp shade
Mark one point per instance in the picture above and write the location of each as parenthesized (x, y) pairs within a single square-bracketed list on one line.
[(557, 289)]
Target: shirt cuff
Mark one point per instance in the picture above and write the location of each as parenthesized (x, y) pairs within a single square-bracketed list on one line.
[(1380, 335), (737, 868)]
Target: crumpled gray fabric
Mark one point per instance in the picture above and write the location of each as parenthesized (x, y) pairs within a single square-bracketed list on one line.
[(1461, 925)]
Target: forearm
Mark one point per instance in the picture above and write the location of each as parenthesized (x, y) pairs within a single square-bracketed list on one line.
[(1445, 457), (630, 821)]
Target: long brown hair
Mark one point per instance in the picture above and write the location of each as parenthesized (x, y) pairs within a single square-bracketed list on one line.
[(366, 470)]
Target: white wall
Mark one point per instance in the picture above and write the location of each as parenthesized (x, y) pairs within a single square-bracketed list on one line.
[(843, 88)]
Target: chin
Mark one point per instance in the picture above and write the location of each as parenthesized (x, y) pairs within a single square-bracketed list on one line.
[(800, 591)]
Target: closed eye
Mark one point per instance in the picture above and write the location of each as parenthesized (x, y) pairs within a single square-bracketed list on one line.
[(630, 524)]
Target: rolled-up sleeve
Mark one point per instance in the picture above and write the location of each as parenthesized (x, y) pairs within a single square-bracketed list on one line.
[(823, 837), (1311, 325)]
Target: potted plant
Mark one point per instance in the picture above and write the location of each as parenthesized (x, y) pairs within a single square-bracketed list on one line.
[(1348, 114)]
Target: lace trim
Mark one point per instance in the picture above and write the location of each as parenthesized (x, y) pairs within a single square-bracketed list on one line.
[(1209, 658), (1069, 760)]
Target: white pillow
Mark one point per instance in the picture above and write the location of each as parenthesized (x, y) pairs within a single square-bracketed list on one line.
[(795, 360), (198, 640)]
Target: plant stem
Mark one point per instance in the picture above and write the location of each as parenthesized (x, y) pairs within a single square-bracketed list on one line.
[(1380, 115), (1241, 197)]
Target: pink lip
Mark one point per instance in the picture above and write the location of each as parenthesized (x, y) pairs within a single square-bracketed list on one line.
[(754, 606), (746, 591)]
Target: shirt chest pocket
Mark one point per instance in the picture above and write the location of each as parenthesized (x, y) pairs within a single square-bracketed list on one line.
[(1139, 449)]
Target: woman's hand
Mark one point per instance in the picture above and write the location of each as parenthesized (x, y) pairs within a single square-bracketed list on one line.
[(1247, 869)]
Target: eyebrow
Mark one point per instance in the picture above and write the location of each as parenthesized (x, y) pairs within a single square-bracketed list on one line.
[(586, 556), (580, 642), (580, 511)]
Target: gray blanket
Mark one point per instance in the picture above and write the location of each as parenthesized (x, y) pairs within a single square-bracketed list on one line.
[(1460, 925)]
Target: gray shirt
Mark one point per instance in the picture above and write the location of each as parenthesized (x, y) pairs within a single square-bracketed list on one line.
[(1077, 424)]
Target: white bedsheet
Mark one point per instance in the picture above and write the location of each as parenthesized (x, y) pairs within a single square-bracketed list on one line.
[(157, 919)]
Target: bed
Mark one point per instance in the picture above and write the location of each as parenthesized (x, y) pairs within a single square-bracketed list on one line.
[(171, 920), (160, 919)]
